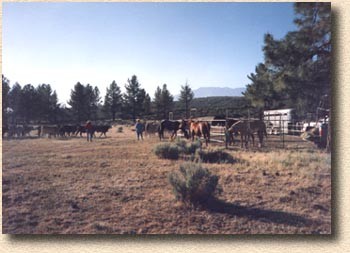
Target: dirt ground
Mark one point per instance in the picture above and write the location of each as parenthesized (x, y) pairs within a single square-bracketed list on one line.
[(117, 185)]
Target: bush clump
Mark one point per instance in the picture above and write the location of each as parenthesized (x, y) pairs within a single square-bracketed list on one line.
[(120, 129), (214, 156), (167, 151), (188, 148), (194, 184)]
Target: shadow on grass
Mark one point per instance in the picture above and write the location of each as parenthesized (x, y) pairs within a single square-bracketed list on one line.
[(279, 217)]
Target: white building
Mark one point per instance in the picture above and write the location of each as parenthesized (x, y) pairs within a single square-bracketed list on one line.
[(279, 121)]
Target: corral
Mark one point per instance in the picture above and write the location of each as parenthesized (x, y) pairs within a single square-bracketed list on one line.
[(117, 185)]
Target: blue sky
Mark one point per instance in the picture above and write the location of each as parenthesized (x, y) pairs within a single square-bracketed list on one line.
[(207, 44)]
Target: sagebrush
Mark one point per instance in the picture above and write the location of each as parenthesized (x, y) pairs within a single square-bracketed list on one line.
[(214, 156), (188, 148), (167, 151), (194, 184)]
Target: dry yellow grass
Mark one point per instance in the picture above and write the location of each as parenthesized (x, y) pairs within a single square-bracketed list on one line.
[(118, 185)]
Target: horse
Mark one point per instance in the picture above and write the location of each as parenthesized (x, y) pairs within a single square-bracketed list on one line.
[(198, 129), (171, 125), (247, 130), (152, 127)]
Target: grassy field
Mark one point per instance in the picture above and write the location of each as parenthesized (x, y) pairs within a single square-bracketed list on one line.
[(118, 185)]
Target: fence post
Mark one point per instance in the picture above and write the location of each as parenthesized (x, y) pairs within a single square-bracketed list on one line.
[(282, 132)]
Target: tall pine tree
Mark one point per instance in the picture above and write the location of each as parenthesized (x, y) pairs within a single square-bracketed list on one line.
[(5, 99), (167, 101), (186, 96), (78, 103), (297, 66), (134, 97), (157, 102), (112, 103)]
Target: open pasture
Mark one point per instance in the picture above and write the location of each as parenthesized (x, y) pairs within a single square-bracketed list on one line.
[(118, 185)]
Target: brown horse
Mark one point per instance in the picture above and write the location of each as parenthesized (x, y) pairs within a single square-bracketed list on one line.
[(247, 129), (200, 128)]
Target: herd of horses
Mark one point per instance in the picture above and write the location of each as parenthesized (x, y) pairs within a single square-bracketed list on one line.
[(194, 128), (190, 128)]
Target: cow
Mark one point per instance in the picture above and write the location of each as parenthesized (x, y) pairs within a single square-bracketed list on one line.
[(152, 127), (48, 130), (5, 129), (67, 130), (15, 131), (103, 129), (80, 130), (26, 130)]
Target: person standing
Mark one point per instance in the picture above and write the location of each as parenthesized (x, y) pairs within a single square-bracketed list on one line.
[(89, 130), (139, 129)]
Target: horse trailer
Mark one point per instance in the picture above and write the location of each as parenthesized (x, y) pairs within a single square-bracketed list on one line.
[(281, 121)]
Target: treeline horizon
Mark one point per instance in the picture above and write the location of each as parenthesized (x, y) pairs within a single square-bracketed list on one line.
[(40, 104)]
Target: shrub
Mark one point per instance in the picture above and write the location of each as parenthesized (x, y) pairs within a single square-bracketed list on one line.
[(194, 184), (192, 147), (120, 129), (188, 148), (181, 143), (214, 156), (167, 151)]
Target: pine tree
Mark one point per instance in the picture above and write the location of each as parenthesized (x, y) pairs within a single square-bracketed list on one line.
[(5, 99), (298, 65), (158, 102), (46, 104), (166, 101), (28, 102), (78, 103), (112, 103), (186, 96), (15, 96), (134, 97), (54, 108), (147, 104), (92, 95)]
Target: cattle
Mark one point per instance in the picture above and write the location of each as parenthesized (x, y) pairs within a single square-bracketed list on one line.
[(152, 127), (16, 131), (5, 129), (67, 130), (48, 130), (103, 129), (80, 130), (247, 129)]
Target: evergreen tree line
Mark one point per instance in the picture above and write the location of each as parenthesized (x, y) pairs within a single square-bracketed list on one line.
[(296, 71), (29, 104)]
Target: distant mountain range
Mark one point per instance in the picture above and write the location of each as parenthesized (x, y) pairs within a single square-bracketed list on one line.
[(216, 92)]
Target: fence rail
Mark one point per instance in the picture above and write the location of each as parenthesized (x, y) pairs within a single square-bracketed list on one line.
[(281, 133)]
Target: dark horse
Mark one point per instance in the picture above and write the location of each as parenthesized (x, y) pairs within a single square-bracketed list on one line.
[(171, 125)]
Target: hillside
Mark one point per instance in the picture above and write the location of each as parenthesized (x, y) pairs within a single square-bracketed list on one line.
[(203, 92), (217, 92), (211, 106)]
